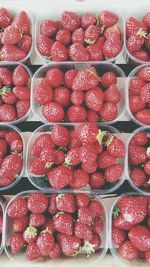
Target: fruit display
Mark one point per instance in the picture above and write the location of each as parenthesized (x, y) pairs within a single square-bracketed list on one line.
[(130, 232), (139, 159), (91, 92), (1, 225), (14, 92), (11, 156), (85, 37), (76, 156), (54, 226), (137, 34), (139, 95), (15, 35)]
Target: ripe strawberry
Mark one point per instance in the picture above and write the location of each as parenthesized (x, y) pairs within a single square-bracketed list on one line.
[(5, 76), (59, 52), (147, 167), (144, 74), (32, 252), (22, 93), (109, 111), (60, 177), (48, 28), (87, 153), (11, 53), (138, 177), (118, 236), (132, 26), (85, 80), (108, 78), (143, 116), (49, 225), (18, 208), (16, 146), (53, 112), (136, 104), (1, 161), (96, 50), (5, 18), (134, 43), (20, 76), (60, 136), (141, 55), (69, 77), (140, 237), (116, 147), (112, 94), (30, 234), (37, 220), (91, 34), (6, 178), (113, 173), (120, 223), (62, 96), (96, 208), (87, 19), (94, 99), (8, 97), (66, 202), (43, 93), (20, 224), (59, 157), (137, 154), (89, 168), (82, 200), (112, 47), (38, 167), (107, 18), (128, 251), (42, 141), (64, 36), (145, 93), (97, 180), (72, 157), (12, 136), (70, 21), (44, 45), (16, 243), (22, 108), (22, 22), (98, 225), (12, 165), (55, 252), (77, 97), (63, 223), (140, 138), (113, 31), (87, 133), (55, 77), (106, 160), (26, 43), (52, 208), (80, 179), (83, 231), (45, 242), (48, 157), (78, 36), (11, 36), (146, 19), (92, 116), (3, 148), (37, 202), (76, 114), (70, 244), (85, 215), (77, 52), (147, 257), (147, 41), (136, 84)]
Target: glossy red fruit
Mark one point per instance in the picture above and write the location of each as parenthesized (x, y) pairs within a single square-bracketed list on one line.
[(128, 251), (62, 96), (87, 19), (97, 180), (16, 243), (55, 77), (94, 99), (83, 231), (109, 111), (11, 36), (53, 112), (113, 173), (48, 28), (143, 116), (87, 153), (20, 76), (76, 114), (107, 18), (108, 78), (45, 242), (11, 53), (77, 52), (64, 36), (32, 252), (118, 236), (136, 84), (136, 104), (96, 208), (69, 77), (70, 21), (22, 22), (60, 177), (77, 97), (20, 224), (52, 208), (26, 43), (78, 36), (60, 136), (66, 202), (72, 157), (85, 215), (30, 234), (59, 52), (56, 252), (18, 208), (147, 167), (85, 80), (22, 108), (112, 94), (37, 202), (82, 200), (63, 223), (80, 179), (5, 18), (91, 34), (43, 94), (116, 147), (140, 237), (7, 113), (106, 160), (37, 220), (137, 154), (42, 141), (98, 225), (70, 245), (138, 177), (44, 45)]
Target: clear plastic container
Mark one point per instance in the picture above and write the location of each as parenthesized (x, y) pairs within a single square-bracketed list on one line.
[(128, 168), (10, 127), (14, 11), (101, 68), (137, 14), (79, 8), (20, 258), (41, 183), (2, 210), (133, 74), (12, 65)]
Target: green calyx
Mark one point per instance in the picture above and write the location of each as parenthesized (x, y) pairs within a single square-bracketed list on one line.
[(116, 212), (103, 29), (31, 232), (97, 20), (59, 197), (48, 165), (46, 231), (63, 148), (67, 162), (4, 90), (141, 33), (89, 41), (88, 248), (100, 136)]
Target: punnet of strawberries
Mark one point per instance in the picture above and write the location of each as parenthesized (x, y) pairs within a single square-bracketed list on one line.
[(139, 95), (56, 225), (131, 228), (138, 37), (139, 159), (86, 37), (92, 93), (14, 93), (15, 35), (80, 156), (1, 225), (11, 156)]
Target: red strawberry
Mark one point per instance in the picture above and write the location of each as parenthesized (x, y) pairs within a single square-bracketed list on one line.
[(63, 223), (87, 153), (134, 43), (92, 116), (140, 138), (147, 167), (59, 52), (44, 45), (128, 251), (140, 237), (82, 200), (55, 77), (12, 136), (135, 103), (53, 112), (112, 94), (59, 157), (12, 165), (66, 202), (16, 146), (30, 234), (37, 220), (98, 225), (62, 96), (106, 160), (1, 161), (26, 43), (52, 208), (3, 148), (5, 18), (45, 242), (145, 93), (143, 116), (85, 215), (138, 177), (11, 53), (78, 36), (22, 108), (5, 76), (85, 80), (64, 36), (80, 179), (18, 208), (108, 78), (60, 177), (141, 55), (77, 52), (118, 236), (144, 74), (113, 173), (87, 19), (42, 141), (112, 47), (49, 225), (32, 252), (22, 93), (147, 257), (107, 18), (147, 41), (11, 36), (133, 25), (22, 22), (74, 140), (43, 93), (77, 97), (55, 252), (37, 202), (136, 84), (97, 180), (20, 76), (116, 147), (72, 157), (120, 223), (60, 136), (109, 111), (89, 168), (113, 30), (83, 231), (6, 178), (8, 97), (76, 114), (69, 77), (70, 244), (38, 167), (48, 28), (16, 243), (96, 50), (94, 99), (146, 19), (70, 21), (87, 133), (48, 157), (137, 154), (20, 224), (91, 34), (96, 208)]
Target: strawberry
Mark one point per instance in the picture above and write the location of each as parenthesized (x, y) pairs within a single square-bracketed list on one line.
[(133, 26), (80, 179), (77, 97), (18, 208), (20, 76), (94, 99), (140, 138), (82, 200), (141, 55), (60, 177), (1, 161), (136, 104), (48, 28), (120, 223), (113, 173), (43, 93), (69, 77), (38, 167), (118, 236), (146, 19), (32, 252), (3, 134), (78, 36), (11, 36), (128, 251), (63, 223), (55, 252), (108, 78), (77, 52), (140, 237), (45, 242), (22, 108), (16, 146), (97, 180), (20, 224), (44, 45), (147, 41), (96, 49), (22, 93), (26, 43), (147, 167), (87, 153), (55, 77), (115, 147), (87, 19), (62, 96), (136, 84), (87, 133), (107, 18), (30, 234), (85, 79), (113, 31), (70, 21), (48, 157), (59, 157), (37, 202), (52, 208), (144, 74), (12, 136), (22, 22), (5, 76), (76, 114), (91, 34), (8, 97), (60, 136), (98, 225), (64, 36), (74, 140), (72, 157), (96, 208), (5, 18), (59, 52), (134, 43), (137, 154), (143, 116), (83, 231), (89, 168), (42, 141), (3, 148), (37, 220), (11, 53), (66, 202), (70, 244), (12, 165), (112, 94), (106, 160), (16, 243), (49, 225), (147, 257), (109, 111), (92, 116), (85, 215), (53, 112), (6, 178), (138, 177), (112, 47)]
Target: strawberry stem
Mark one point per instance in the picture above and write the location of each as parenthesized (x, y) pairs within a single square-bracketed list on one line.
[(116, 212), (100, 136), (88, 248), (89, 42), (67, 162), (141, 33), (31, 232), (4, 90), (63, 148), (48, 165)]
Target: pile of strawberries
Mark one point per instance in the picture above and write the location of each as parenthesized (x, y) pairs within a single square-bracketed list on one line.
[(80, 38), (11, 162), (79, 157), (15, 35), (138, 37), (1, 225), (14, 93), (139, 160), (139, 95), (131, 228), (56, 225), (78, 95)]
